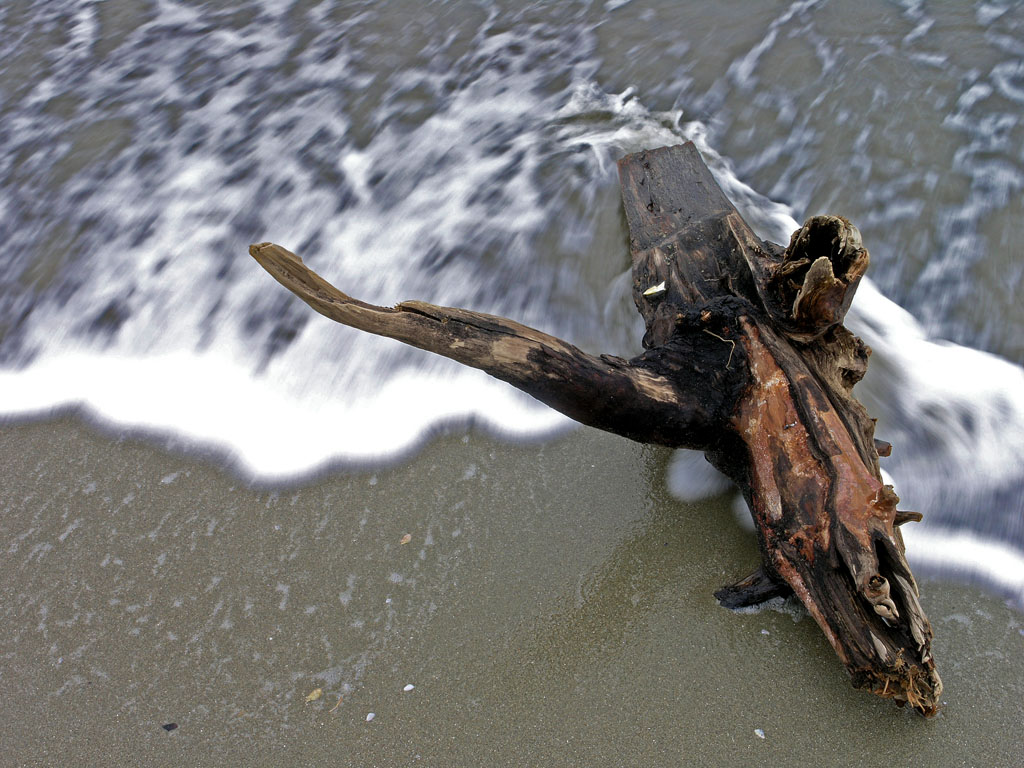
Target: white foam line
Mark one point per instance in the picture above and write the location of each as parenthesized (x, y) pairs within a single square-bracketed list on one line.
[(966, 552), (267, 433), (936, 377)]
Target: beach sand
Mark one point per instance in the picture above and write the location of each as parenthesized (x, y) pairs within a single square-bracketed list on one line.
[(550, 604)]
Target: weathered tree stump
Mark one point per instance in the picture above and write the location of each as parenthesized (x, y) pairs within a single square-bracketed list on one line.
[(747, 360)]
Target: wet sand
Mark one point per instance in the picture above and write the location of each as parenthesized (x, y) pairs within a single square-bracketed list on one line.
[(552, 606)]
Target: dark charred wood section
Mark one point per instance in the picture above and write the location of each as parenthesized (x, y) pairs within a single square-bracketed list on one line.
[(746, 358)]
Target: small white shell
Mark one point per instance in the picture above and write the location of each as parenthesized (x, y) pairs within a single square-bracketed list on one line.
[(655, 290)]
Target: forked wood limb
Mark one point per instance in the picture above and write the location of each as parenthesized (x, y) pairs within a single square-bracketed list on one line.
[(746, 358)]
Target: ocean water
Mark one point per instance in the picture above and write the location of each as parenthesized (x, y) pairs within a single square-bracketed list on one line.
[(463, 153)]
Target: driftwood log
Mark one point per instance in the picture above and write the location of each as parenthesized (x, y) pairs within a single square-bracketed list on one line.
[(746, 358)]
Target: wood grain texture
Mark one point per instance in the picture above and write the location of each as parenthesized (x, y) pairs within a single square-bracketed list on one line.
[(798, 444)]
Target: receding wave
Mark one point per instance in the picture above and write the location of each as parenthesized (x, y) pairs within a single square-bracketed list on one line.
[(475, 169)]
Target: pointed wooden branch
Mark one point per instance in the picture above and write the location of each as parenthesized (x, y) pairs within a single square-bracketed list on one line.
[(642, 399), (747, 359)]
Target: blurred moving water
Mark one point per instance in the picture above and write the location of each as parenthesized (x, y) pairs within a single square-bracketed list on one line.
[(463, 153)]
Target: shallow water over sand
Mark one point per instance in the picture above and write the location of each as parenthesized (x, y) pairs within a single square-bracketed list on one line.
[(552, 606)]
